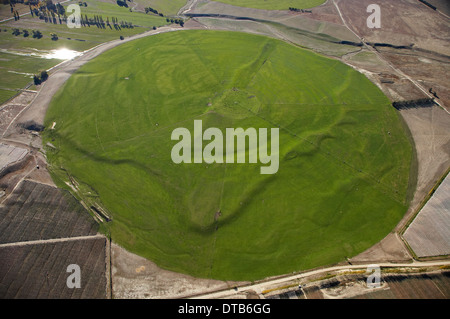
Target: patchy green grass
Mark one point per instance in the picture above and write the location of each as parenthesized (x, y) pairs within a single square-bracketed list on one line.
[(344, 156)]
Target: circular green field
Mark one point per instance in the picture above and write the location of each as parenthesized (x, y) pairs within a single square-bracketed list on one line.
[(344, 157), (274, 4)]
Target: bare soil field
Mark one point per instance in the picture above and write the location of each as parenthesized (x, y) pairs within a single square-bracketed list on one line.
[(429, 233), (10, 154), (423, 31), (12, 108), (37, 212), (429, 129), (430, 70), (39, 271), (403, 22), (44, 229)]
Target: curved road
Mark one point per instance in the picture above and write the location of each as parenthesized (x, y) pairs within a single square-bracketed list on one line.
[(261, 286)]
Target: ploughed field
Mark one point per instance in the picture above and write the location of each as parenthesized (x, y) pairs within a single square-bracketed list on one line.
[(344, 156), (274, 4), (40, 271)]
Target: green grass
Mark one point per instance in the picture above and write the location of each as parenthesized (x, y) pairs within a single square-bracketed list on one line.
[(274, 4), (17, 71), (6, 94), (344, 156)]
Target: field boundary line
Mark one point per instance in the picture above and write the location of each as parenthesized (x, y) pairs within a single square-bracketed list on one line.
[(51, 241)]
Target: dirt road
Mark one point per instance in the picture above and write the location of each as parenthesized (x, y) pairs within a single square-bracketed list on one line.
[(258, 288)]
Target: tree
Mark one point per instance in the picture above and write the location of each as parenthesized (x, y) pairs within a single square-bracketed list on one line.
[(37, 34), (122, 3), (60, 9), (36, 80), (44, 76)]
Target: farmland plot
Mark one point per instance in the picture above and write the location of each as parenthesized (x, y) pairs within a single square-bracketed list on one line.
[(40, 271), (36, 211)]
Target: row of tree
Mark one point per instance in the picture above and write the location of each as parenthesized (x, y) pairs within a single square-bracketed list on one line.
[(299, 10), (36, 33), (53, 13), (149, 9), (418, 103), (428, 4), (177, 21), (12, 3)]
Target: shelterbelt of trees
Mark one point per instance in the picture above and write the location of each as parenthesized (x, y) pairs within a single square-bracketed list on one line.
[(55, 13)]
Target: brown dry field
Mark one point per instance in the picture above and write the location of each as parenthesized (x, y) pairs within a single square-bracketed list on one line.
[(407, 22), (35, 211), (39, 271)]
